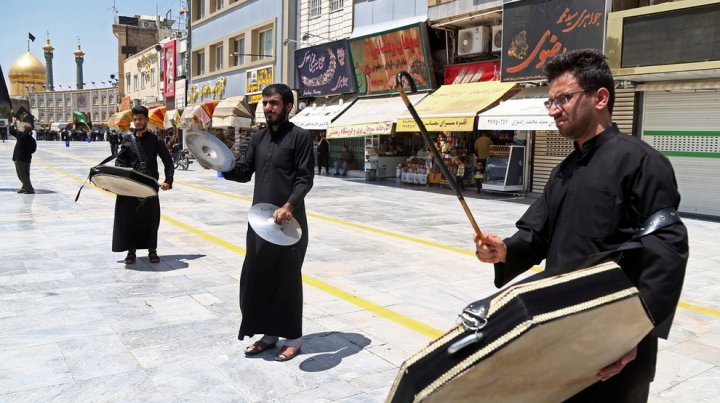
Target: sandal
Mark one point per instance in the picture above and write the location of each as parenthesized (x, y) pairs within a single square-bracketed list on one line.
[(154, 258), (258, 347), (287, 353), (130, 258)]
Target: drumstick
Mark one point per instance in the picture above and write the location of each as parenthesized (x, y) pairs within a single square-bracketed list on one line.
[(431, 146)]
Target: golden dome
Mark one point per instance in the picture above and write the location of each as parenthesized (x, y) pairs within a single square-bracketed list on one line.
[(26, 71)]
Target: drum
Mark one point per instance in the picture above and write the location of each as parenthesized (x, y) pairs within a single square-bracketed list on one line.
[(124, 181), (542, 340)]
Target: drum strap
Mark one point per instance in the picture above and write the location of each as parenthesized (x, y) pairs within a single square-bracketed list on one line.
[(142, 165), (105, 161)]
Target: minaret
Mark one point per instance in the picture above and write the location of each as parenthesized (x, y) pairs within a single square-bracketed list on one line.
[(79, 58), (48, 49)]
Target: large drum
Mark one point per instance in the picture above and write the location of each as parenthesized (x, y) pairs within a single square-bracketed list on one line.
[(124, 181), (540, 341)]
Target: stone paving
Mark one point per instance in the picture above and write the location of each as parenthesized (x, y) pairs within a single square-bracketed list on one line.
[(76, 324)]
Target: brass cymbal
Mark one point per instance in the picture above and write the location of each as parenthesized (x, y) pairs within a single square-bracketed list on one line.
[(210, 151)]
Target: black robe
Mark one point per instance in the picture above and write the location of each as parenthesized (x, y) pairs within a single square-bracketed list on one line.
[(271, 296), (595, 200), (137, 220)]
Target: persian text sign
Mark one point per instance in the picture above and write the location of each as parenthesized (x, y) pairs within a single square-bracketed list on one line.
[(472, 72), (379, 57), (459, 123), (536, 30), (325, 70), (361, 130), (169, 69), (255, 81)]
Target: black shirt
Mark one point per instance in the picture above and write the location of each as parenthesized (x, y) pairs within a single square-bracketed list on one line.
[(595, 200)]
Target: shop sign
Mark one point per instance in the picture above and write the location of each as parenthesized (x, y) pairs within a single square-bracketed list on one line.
[(125, 103), (472, 72), (206, 92), (377, 59), (536, 30), (362, 130), (325, 70), (180, 94), (459, 124), (169, 69), (516, 123), (255, 81)]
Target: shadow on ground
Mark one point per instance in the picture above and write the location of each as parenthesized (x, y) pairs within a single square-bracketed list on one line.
[(167, 263)]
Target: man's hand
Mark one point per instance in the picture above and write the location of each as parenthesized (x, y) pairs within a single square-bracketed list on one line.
[(490, 249), (617, 366), (164, 186), (283, 214)]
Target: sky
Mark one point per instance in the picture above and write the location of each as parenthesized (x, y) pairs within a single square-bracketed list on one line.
[(65, 20)]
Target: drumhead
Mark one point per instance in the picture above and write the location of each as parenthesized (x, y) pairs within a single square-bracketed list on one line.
[(122, 186)]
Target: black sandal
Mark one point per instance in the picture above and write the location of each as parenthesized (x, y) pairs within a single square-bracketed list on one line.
[(130, 258), (154, 258)]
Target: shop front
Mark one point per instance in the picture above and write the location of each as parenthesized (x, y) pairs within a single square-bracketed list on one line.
[(449, 115), (526, 118), (232, 116), (370, 122)]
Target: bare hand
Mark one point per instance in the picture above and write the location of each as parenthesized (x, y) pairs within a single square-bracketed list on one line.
[(490, 249), (164, 186), (283, 214), (617, 366)]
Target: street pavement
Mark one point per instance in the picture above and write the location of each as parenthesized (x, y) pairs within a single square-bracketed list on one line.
[(387, 269)]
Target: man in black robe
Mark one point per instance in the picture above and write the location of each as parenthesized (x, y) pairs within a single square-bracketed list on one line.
[(137, 220), (22, 155), (281, 157), (594, 202)]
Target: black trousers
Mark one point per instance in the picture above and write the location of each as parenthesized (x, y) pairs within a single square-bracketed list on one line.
[(23, 172)]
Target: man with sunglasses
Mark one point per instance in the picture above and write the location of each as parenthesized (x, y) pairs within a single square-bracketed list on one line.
[(594, 202)]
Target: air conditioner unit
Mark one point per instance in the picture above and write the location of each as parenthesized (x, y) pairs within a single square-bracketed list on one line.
[(496, 42), (473, 40)]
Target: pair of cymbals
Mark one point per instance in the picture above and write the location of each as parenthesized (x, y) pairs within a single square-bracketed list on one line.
[(262, 222), (210, 151)]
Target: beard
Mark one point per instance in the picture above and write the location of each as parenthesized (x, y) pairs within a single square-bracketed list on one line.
[(577, 125), (277, 118)]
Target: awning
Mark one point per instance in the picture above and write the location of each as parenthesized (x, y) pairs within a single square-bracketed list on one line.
[(259, 116), (453, 107), (200, 113), (679, 85), (524, 111), (370, 116), (321, 113), (232, 112)]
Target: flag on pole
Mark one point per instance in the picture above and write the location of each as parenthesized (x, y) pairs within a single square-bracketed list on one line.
[(81, 118), (31, 37), (4, 95)]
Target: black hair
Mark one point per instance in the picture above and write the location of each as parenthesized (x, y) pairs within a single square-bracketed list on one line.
[(140, 110), (282, 89), (588, 66)]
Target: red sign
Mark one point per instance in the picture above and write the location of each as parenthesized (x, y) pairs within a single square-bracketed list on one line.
[(472, 72), (169, 69)]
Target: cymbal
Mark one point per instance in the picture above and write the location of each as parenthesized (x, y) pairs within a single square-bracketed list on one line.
[(261, 220), (210, 151)]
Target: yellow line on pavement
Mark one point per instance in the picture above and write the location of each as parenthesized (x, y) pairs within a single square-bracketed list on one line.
[(405, 321), (365, 304)]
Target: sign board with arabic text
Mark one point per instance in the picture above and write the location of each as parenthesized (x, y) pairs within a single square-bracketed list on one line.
[(255, 81), (536, 30), (325, 70)]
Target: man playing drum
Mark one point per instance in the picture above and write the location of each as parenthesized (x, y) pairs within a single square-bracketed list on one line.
[(595, 201), (137, 219)]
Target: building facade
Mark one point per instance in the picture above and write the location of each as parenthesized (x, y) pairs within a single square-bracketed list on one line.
[(58, 106)]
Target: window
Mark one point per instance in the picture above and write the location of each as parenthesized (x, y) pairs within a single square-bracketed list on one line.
[(238, 50), (33, 100), (135, 82), (42, 102), (265, 43), (198, 63), (217, 5), (315, 8), (336, 5), (96, 100), (128, 82), (104, 99), (198, 9), (152, 77), (143, 80), (216, 57), (60, 101), (51, 102)]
